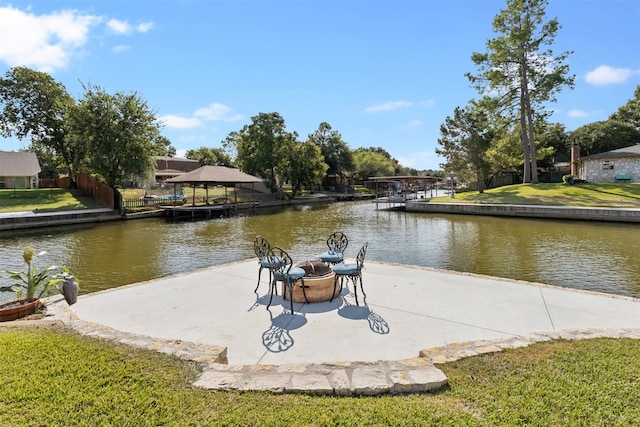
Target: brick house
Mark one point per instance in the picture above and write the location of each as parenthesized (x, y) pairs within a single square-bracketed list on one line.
[(169, 167), (18, 169), (622, 164)]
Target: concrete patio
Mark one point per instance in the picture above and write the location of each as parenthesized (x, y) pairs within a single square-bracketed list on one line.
[(412, 317)]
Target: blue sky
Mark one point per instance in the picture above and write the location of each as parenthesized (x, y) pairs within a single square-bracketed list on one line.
[(382, 73)]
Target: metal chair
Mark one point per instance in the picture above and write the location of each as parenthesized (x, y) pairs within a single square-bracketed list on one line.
[(285, 272), (351, 271), (337, 244), (261, 247)]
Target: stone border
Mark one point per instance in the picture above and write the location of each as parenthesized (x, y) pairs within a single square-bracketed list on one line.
[(207, 355), (457, 351), (414, 375), (529, 211)]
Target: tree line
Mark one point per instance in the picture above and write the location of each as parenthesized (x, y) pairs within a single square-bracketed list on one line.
[(507, 128), (115, 137), (112, 136)]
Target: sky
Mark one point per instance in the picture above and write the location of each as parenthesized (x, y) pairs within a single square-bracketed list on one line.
[(381, 73)]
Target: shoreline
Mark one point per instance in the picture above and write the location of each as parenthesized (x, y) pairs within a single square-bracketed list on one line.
[(25, 220), (573, 213)]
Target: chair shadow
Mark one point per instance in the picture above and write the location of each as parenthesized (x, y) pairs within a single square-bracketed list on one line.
[(321, 307), (361, 312), (264, 300), (378, 324), (260, 300), (303, 307), (277, 338)]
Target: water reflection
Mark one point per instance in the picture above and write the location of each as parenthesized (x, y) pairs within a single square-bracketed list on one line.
[(584, 255)]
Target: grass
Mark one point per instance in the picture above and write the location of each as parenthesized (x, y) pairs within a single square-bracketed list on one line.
[(613, 195), (626, 195), (53, 376), (45, 200)]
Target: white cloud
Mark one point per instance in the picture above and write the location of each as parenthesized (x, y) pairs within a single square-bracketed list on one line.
[(578, 114), (428, 103), (214, 112), (176, 122), (119, 27), (217, 112), (45, 42), (124, 28), (120, 48), (388, 106), (145, 27), (606, 75), (413, 124)]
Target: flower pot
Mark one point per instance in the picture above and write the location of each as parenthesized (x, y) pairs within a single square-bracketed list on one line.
[(18, 309), (70, 291)]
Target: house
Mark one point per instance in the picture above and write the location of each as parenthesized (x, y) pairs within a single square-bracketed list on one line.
[(169, 167), (622, 164), (18, 169)]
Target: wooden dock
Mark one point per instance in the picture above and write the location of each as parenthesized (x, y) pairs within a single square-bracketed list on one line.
[(206, 211)]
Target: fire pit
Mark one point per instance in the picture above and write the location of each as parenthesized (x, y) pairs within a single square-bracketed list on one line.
[(318, 282)]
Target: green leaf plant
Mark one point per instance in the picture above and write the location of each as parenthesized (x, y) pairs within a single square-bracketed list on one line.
[(34, 283)]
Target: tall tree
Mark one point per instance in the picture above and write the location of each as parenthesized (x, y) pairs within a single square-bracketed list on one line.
[(523, 72), (384, 153), (35, 106), (162, 147), (629, 112), (598, 137), (553, 142), (335, 151), (306, 166), (121, 130), (262, 147), (465, 139), (209, 156), (371, 162), (50, 164)]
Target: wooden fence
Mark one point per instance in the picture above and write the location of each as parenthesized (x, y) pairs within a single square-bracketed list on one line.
[(99, 190)]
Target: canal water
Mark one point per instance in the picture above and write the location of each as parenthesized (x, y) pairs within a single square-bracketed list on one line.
[(584, 255)]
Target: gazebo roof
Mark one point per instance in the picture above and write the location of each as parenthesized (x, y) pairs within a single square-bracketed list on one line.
[(215, 175)]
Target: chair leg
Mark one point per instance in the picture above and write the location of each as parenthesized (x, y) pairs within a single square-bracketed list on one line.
[(354, 280), (271, 287), (290, 287), (361, 288), (272, 277), (258, 285)]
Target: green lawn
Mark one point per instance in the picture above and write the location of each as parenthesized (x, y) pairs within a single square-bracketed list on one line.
[(45, 200), (601, 194), (626, 195), (53, 376)]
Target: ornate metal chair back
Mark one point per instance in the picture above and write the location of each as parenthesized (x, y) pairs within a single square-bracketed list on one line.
[(338, 242), (261, 247), (281, 262), (360, 258)]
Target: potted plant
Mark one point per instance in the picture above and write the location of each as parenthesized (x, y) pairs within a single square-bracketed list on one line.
[(31, 285)]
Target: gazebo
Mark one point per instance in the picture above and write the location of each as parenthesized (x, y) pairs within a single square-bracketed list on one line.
[(212, 176), (407, 187)]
